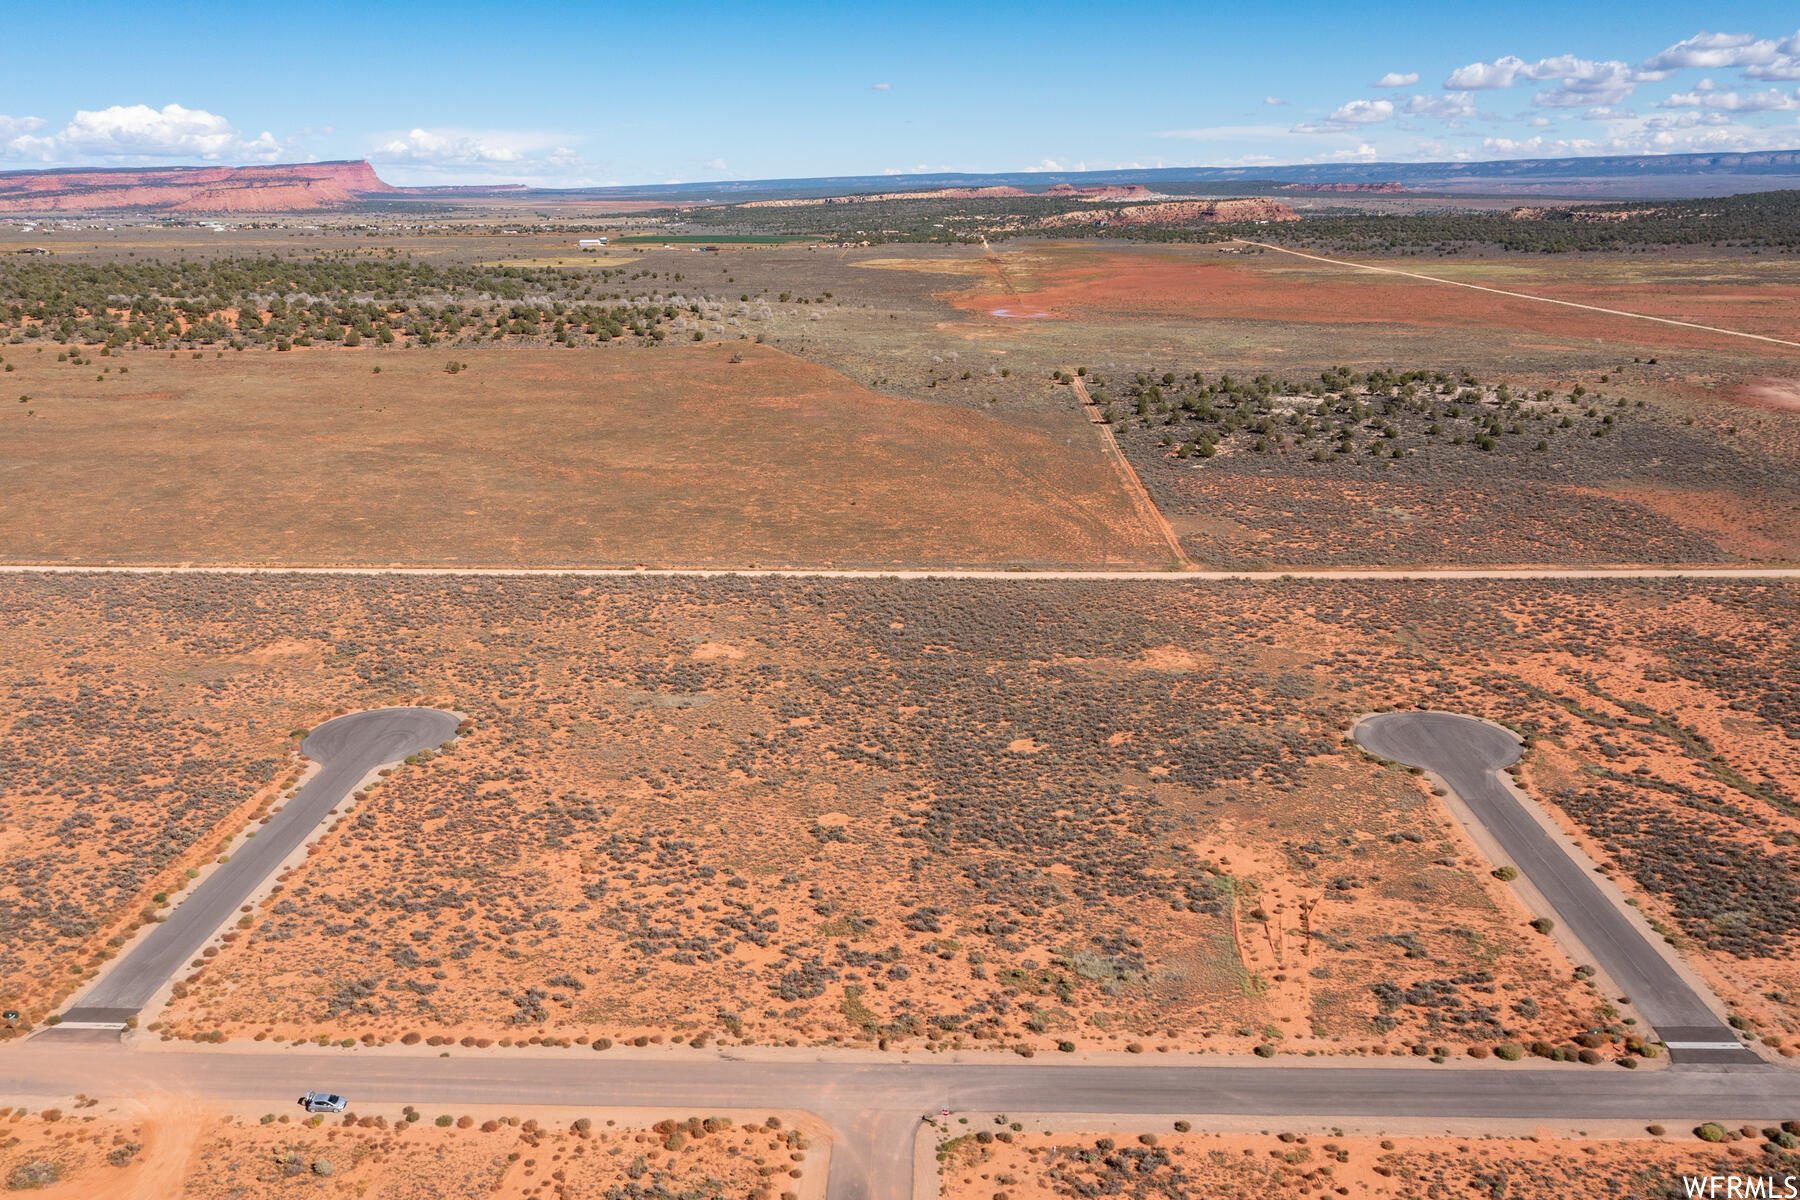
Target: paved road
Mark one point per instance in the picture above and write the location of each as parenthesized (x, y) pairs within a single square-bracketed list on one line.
[(1277, 575), (875, 1108), (347, 749), (1469, 756)]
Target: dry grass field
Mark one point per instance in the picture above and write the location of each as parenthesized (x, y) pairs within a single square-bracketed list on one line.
[(184, 1151), (1164, 1164), (702, 456), (1015, 816), (899, 410)]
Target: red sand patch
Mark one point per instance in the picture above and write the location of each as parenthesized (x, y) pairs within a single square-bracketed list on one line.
[(1751, 528), (1774, 395), (1769, 308), (1085, 280)]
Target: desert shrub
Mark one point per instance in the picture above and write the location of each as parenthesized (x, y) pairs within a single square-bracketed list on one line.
[(33, 1174)]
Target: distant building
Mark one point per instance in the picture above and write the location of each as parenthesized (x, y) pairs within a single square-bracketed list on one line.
[(591, 243)]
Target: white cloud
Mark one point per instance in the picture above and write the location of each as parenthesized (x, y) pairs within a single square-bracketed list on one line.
[(1582, 81), (136, 131), (881, 87), (12, 127), (1274, 100), (461, 147), (1531, 146), (1450, 107), (453, 155), (1394, 79), (1485, 75), (1769, 100), (1353, 115), (716, 165), (425, 145), (1364, 112), (1690, 130), (1710, 51), (1603, 112), (1785, 65), (1699, 133), (1363, 153), (1589, 83), (1686, 120)]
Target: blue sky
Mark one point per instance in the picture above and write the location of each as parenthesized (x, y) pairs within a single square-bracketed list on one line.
[(559, 95)]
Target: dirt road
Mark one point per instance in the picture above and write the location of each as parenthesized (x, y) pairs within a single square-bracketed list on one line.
[(1128, 477)]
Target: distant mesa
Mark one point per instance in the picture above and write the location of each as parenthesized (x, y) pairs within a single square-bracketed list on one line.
[(1115, 191), (1581, 216), (954, 193), (1180, 212), (1109, 191), (1388, 188), (294, 187)]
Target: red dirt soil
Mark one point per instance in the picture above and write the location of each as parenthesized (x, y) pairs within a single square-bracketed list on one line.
[(670, 456), (1078, 281), (1773, 395)]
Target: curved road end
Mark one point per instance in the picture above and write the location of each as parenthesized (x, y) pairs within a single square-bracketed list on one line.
[(347, 748), (1468, 756)]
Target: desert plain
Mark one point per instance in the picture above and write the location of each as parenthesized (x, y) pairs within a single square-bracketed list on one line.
[(1057, 795)]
